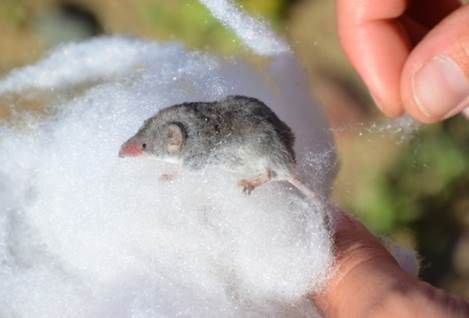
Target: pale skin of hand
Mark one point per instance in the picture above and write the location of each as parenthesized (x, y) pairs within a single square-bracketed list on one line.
[(391, 42), (368, 282)]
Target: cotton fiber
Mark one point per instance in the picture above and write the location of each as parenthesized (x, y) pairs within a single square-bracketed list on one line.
[(84, 233), (254, 33)]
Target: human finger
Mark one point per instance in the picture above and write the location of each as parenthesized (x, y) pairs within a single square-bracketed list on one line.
[(377, 46), (435, 78)]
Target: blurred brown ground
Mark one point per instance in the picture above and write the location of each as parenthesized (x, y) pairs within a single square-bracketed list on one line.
[(369, 182)]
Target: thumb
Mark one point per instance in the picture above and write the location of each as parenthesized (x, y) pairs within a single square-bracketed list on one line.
[(368, 282), (435, 78), (364, 272)]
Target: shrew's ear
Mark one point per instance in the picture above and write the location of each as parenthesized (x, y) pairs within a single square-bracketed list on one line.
[(175, 136)]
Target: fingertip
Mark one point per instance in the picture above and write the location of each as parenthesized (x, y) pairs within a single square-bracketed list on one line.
[(377, 47), (437, 90), (392, 110), (435, 78)]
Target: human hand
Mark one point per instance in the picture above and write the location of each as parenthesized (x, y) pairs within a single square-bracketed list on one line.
[(413, 55), (368, 282)]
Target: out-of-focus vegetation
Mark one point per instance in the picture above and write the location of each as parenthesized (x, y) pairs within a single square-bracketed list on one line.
[(31, 26), (200, 29), (415, 191)]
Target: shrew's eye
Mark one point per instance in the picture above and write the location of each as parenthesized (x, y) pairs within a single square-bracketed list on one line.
[(144, 146)]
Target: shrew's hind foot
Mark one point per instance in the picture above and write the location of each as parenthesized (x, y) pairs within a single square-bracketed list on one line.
[(249, 185)]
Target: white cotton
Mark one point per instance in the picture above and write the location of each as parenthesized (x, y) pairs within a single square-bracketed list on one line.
[(84, 233), (255, 34), (78, 66)]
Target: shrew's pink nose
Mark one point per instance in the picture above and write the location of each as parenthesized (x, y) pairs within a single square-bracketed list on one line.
[(131, 150)]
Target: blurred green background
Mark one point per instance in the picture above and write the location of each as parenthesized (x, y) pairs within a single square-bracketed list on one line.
[(414, 190)]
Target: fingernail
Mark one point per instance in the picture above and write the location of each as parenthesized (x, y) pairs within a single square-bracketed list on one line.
[(439, 87)]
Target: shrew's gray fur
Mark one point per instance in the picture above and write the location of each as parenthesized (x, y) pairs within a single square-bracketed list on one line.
[(234, 131)]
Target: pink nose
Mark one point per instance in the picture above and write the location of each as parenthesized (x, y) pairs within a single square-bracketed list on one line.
[(130, 150)]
